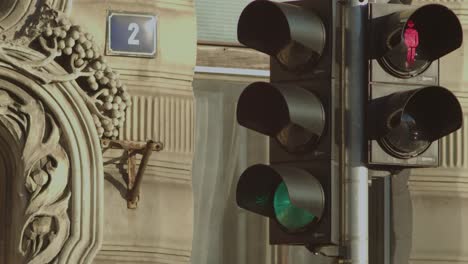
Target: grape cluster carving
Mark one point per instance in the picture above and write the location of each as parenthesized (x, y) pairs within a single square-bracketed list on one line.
[(76, 48)]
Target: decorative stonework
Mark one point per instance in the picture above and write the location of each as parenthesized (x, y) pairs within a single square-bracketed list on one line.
[(57, 98), (64, 86), (45, 167), (55, 36), (56, 180), (15, 15)]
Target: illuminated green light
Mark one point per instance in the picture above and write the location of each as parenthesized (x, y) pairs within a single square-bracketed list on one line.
[(288, 215)]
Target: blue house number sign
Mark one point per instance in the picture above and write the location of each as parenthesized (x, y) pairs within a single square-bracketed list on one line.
[(131, 34)]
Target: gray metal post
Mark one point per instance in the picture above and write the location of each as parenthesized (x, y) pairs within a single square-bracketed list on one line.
[(356, 234)]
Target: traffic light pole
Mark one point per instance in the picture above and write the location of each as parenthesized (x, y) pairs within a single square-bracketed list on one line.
[(354, 77)]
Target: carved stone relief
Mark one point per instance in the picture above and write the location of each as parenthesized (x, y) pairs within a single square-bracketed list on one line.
[(43, 165), (15, 14), (48, 144), (58, 96), (53, 34)]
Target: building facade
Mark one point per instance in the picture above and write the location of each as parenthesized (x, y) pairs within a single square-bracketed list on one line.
[(76, 114)]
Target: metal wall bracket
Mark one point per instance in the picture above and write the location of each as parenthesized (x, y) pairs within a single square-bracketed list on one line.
[(134, 176)]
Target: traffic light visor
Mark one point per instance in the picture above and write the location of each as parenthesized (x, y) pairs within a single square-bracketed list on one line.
[(293, 35), (406, 43), (438, 30), (290, 195), (293, 115), (410, 121), (256, 188)]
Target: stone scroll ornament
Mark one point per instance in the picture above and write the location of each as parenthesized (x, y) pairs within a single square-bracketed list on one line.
[(74, 49), (46, 165)]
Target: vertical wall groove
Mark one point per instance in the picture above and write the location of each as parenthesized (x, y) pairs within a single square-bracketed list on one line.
[(168, 119), (443, 152), (134, 120), (162, 121), (464, 145), (192, 127), (149, 112), (183, 126), (189, 125), (155, 132), (172, 124), (168, 125), (450, 145), (458, 148), (177, 127), (141, 117), (454, 147)]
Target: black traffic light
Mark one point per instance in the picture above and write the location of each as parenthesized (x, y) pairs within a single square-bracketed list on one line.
[(299, 190), (408, 110)]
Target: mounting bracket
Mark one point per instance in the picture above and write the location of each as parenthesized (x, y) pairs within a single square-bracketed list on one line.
[(134, 176)]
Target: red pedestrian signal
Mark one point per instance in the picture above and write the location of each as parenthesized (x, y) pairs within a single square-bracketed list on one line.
[(411, 37), (406, 43)]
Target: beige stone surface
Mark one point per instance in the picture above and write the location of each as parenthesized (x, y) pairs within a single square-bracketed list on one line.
[(160, 229)]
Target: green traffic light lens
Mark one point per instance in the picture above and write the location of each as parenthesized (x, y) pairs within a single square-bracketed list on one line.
[(288, 215)]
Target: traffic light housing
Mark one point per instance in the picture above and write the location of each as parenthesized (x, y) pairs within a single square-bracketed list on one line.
[(408, 111), (302, 108), (292, 34), (299, 190)]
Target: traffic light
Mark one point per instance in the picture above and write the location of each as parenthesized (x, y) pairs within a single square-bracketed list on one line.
[(304, 108), (408, 110), (299, 190)]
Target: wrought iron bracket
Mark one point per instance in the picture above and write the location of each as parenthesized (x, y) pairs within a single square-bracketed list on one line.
[(134, 176)]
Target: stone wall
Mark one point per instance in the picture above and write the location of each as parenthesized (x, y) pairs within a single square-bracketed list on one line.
[(160, 229)]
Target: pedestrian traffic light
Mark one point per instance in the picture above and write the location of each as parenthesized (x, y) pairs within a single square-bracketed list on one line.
[(408, 110), (299, 190)]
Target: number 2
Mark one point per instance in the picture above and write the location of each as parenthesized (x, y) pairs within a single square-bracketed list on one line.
[(134, 28)]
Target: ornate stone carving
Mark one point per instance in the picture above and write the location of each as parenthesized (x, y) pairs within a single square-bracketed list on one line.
[(45, 170), (15, 14), (54, 35), (55, 181), (54, 84)]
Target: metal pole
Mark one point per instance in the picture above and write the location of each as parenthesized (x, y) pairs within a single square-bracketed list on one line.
[(356, 173)]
